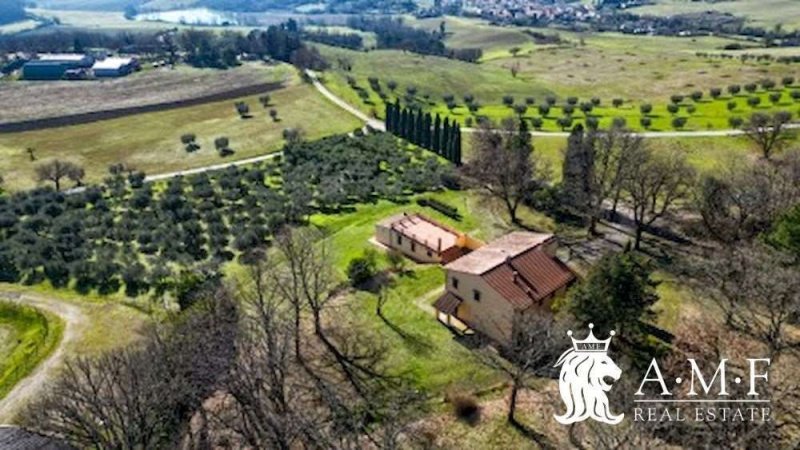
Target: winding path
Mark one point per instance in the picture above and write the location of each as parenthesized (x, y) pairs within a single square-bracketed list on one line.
[(74, 322)]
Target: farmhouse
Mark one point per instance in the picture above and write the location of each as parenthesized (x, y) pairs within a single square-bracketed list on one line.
[(114, 67), (491, 288), (423, 239)]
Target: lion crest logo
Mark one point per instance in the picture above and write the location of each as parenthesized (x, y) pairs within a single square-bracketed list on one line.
[(582, 381)]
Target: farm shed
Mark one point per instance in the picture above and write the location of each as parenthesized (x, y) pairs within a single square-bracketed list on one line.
[(114, 67)]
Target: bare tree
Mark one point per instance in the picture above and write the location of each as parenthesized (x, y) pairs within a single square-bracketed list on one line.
[(56, 170), (768, 132), (743, 200), (142, 396), (654, 182), (503, 165), (533, 350), (758, 291)]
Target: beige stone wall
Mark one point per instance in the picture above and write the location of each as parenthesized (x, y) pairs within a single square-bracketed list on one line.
[(491, 315), (415, 251)]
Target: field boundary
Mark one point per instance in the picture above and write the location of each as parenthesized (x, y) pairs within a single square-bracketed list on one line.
[(97, 116)]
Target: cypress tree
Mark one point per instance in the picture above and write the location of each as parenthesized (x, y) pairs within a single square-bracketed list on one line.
[(409, 131), (396, 117), (457, 146), (401, 128), (444, 145), (437, 135), (389, 112), (426, 132), (420, 129)]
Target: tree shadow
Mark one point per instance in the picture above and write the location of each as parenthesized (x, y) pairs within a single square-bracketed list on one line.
[(542, 440)]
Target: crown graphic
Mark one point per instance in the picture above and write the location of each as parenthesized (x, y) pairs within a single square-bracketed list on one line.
[(591, 343)]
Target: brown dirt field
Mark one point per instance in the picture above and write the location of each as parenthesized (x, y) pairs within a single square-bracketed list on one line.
[(26, 100)]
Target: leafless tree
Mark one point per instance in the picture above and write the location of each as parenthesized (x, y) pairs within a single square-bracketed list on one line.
[(307, 375), (743, 200), (141, 396), (758, 291), (56, 170), (503, 165), (768, 132), (653, 184), (534, 348)]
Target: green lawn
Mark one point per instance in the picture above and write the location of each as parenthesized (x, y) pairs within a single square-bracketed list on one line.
[(426, 350), (151, 142), (27, 336), (636, 69)]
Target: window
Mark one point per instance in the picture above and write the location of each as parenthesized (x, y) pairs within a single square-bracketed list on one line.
[(413, 246), (430, 253), (476, 295), (399, 240), (454, 281)]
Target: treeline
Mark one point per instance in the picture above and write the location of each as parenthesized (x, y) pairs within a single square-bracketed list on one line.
[(200, 48), (394, 34), (350, 41), (420, 128)]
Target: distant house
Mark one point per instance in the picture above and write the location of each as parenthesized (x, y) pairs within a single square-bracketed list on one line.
[(54, 66), (115, 67), (423, 239), (489, 288)]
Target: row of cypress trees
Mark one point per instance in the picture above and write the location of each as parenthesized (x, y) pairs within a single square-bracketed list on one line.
[(420, 128)]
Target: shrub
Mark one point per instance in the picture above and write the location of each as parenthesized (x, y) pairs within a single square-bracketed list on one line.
[(787, 81), (568, 109), (537, 122), (565, 122), (678, 122), (619, 122), (775, 97), (551, 100), (264, 100), (396, 261), (767, 84), (676, 99), (795, 95), (617, 102), (734, 89), (188, 138), (691, 109), (362, 268), (673, 108), (715, 92), (508, 100), (754, 101), (544, 110), (735, 122), (731, 105), (596, 101), (750, 87), (572, 101), (592, 123), (530, 100), (444, 208), (697, 96), (646, 108), (645, 122), (469, 98)]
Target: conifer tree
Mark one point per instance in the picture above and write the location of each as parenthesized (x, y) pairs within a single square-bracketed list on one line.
[(389, 112), (437, 135), (443, 146)]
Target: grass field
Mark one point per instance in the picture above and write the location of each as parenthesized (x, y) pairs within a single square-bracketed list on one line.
[(25, 100), (636, 69), (764, 13), (151, 142), (27, 336)]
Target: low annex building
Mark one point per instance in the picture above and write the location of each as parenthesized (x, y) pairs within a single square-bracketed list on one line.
[(423, 239), (487, 289)]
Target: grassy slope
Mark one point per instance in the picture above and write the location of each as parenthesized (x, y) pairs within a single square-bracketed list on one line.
[(151, 142), (764, 13), (430, 353), (29, 337), (638, 69)]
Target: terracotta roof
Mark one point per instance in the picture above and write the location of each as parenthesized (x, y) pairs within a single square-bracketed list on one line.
[(496, 252), (423, 230), (529, 278), (447, 303), (14, 438)]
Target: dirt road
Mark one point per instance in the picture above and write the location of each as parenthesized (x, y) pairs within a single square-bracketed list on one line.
[(74, 323)]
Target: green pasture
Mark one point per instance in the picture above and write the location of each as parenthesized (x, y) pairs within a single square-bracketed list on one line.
[(151, 141), (763, 13)]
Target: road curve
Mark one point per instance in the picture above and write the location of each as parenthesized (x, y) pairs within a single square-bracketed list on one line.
[(74, 321), (377, 124)]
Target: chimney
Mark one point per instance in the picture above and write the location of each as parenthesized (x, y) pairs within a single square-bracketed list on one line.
[(439, 247)]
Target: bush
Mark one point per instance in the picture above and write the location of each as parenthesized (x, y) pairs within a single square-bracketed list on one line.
[(775, 97), (396, 261), (679, 122), (754, 101), (362, 268), (617, 102), (697, 96), (537, 122), (444, 208), (646, 108), (715, 92), (734, 89), (676, 99), (731, 105), (735, 122), (592, 123), (673, 108), (646, 122)]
